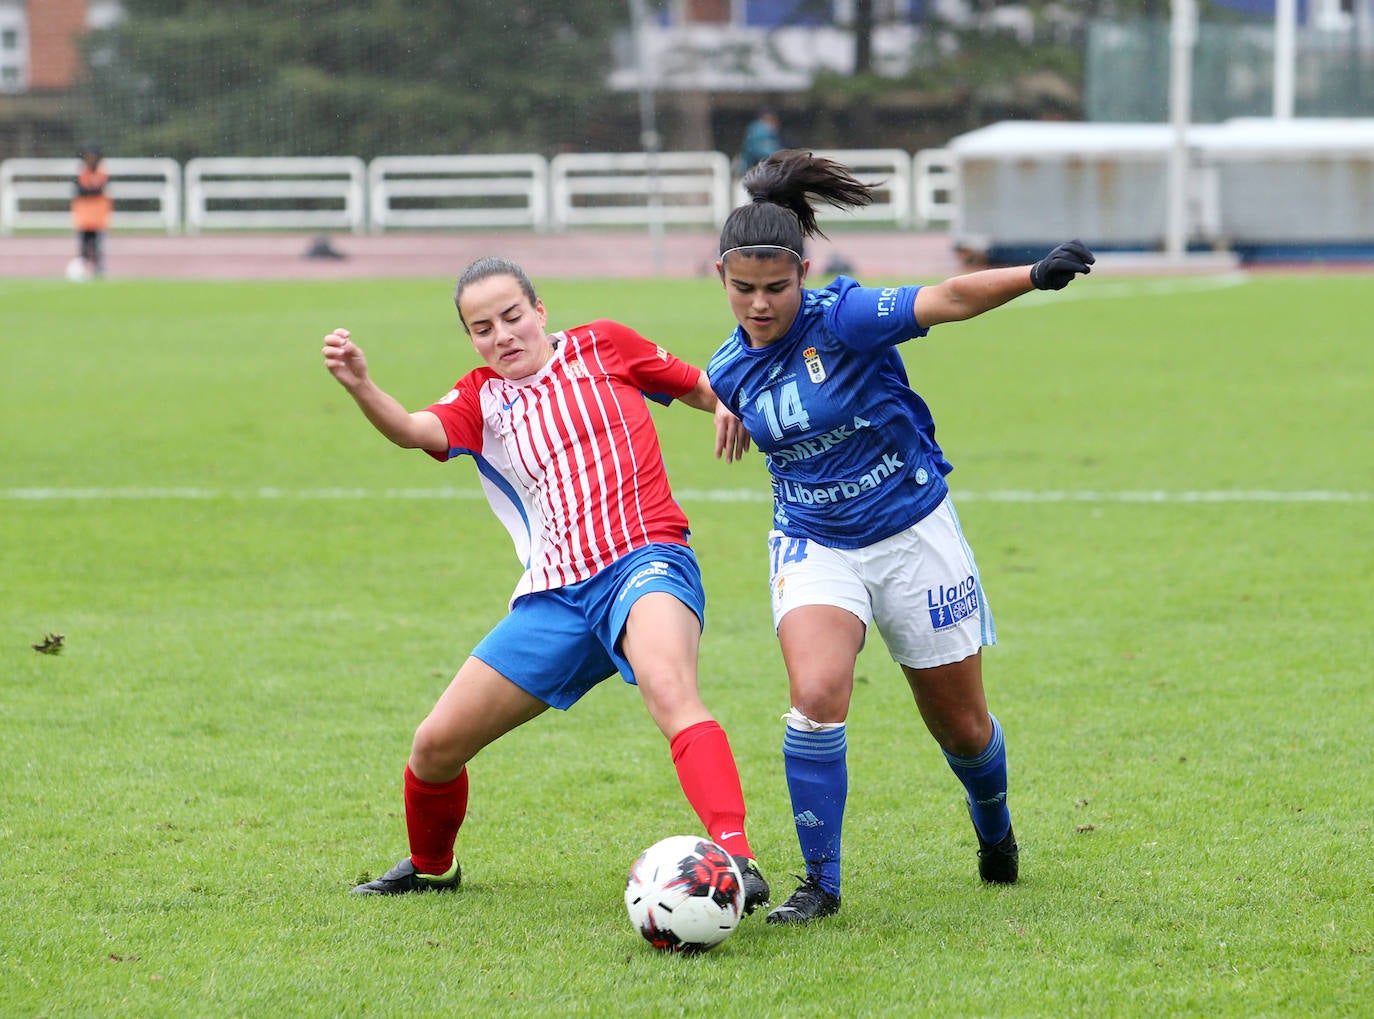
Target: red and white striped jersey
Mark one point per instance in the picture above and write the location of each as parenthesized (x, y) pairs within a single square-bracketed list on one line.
[(569, 458)]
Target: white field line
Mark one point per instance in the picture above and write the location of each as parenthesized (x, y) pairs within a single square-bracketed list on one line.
[(751, 495)]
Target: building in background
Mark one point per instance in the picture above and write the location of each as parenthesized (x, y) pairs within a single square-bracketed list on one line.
[(1324, 15), (40, 69), (712, 63)]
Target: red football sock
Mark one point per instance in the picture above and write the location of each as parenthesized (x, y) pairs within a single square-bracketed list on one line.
[(706, 768), (434, 813)]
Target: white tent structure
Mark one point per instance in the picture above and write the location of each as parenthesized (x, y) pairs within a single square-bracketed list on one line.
[(1175, 193)]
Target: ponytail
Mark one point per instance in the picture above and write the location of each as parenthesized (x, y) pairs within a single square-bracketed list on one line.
[(781, 189)]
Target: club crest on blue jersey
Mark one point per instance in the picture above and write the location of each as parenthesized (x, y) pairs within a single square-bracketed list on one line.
[(814, 368)]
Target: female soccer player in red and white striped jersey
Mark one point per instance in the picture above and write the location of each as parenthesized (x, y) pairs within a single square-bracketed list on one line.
[(568, 457)]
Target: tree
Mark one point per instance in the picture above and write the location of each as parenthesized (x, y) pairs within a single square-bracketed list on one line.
[(183, 78), (863, 36)]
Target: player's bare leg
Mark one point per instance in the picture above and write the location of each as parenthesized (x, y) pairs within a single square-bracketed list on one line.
[(820, 644), (661, 641), (479, 706), (952, 703)]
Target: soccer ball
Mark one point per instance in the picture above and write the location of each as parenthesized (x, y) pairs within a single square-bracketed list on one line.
[(684, 894), (77, 270)]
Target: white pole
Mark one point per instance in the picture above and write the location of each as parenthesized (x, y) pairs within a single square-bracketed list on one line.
[(1182, 36), (1285, 56), (648, 130)]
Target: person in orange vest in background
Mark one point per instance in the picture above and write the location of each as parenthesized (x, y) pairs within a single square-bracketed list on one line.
[(91, 209)]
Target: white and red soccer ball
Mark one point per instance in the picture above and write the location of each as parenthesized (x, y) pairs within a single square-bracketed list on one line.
[(684, 894)]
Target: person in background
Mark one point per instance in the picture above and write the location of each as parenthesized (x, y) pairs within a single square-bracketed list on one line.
[(569, 459), (761, 139), (864, 530), (91, 209)]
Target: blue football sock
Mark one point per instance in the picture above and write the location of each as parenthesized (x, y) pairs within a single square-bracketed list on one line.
[(985, 778), (818, 781)]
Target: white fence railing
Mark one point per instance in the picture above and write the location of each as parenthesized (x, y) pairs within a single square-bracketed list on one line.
[(1009, 184), (36, 194), (458, 191), (936, 185), (601, 189), (889, 171), (276, 193), (426, 192)]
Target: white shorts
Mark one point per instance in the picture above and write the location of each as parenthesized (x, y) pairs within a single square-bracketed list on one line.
[(920, 586)]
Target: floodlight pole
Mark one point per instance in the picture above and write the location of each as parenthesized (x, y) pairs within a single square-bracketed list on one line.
[(1182, 36), (648, 131), (1285, 57)]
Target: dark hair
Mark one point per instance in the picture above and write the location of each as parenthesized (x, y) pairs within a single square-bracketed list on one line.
[(482, 268), (781, 189)]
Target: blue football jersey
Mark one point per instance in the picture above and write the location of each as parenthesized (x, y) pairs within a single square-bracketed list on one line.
[(850, 447)]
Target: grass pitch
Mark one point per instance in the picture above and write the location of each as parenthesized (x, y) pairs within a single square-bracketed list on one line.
[(1168, 487)]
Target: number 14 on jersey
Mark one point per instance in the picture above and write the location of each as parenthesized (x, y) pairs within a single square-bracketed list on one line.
[(788, 413)]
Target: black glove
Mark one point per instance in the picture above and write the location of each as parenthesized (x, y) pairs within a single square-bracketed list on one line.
[(1058, 268)]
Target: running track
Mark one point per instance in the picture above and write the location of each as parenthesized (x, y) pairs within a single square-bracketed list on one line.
[(609, 253)]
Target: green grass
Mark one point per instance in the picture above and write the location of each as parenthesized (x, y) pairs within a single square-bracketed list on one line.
[(259, 607)]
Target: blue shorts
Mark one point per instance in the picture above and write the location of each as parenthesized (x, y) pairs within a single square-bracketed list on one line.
[(556, 645)]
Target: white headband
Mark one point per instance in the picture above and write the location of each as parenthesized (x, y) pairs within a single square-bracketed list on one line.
[(755, 247)]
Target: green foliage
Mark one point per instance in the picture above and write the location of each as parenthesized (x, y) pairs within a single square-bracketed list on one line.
[(260, 598), (322, 77), (983, 72)]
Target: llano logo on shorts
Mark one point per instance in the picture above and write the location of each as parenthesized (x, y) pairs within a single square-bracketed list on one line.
[(949, 605)]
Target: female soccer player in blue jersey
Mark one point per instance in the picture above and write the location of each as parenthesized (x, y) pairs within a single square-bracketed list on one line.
[(863, 527)]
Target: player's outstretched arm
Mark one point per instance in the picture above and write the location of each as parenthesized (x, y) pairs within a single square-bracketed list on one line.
[(345, 361), (963, 297), (732, 441)]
